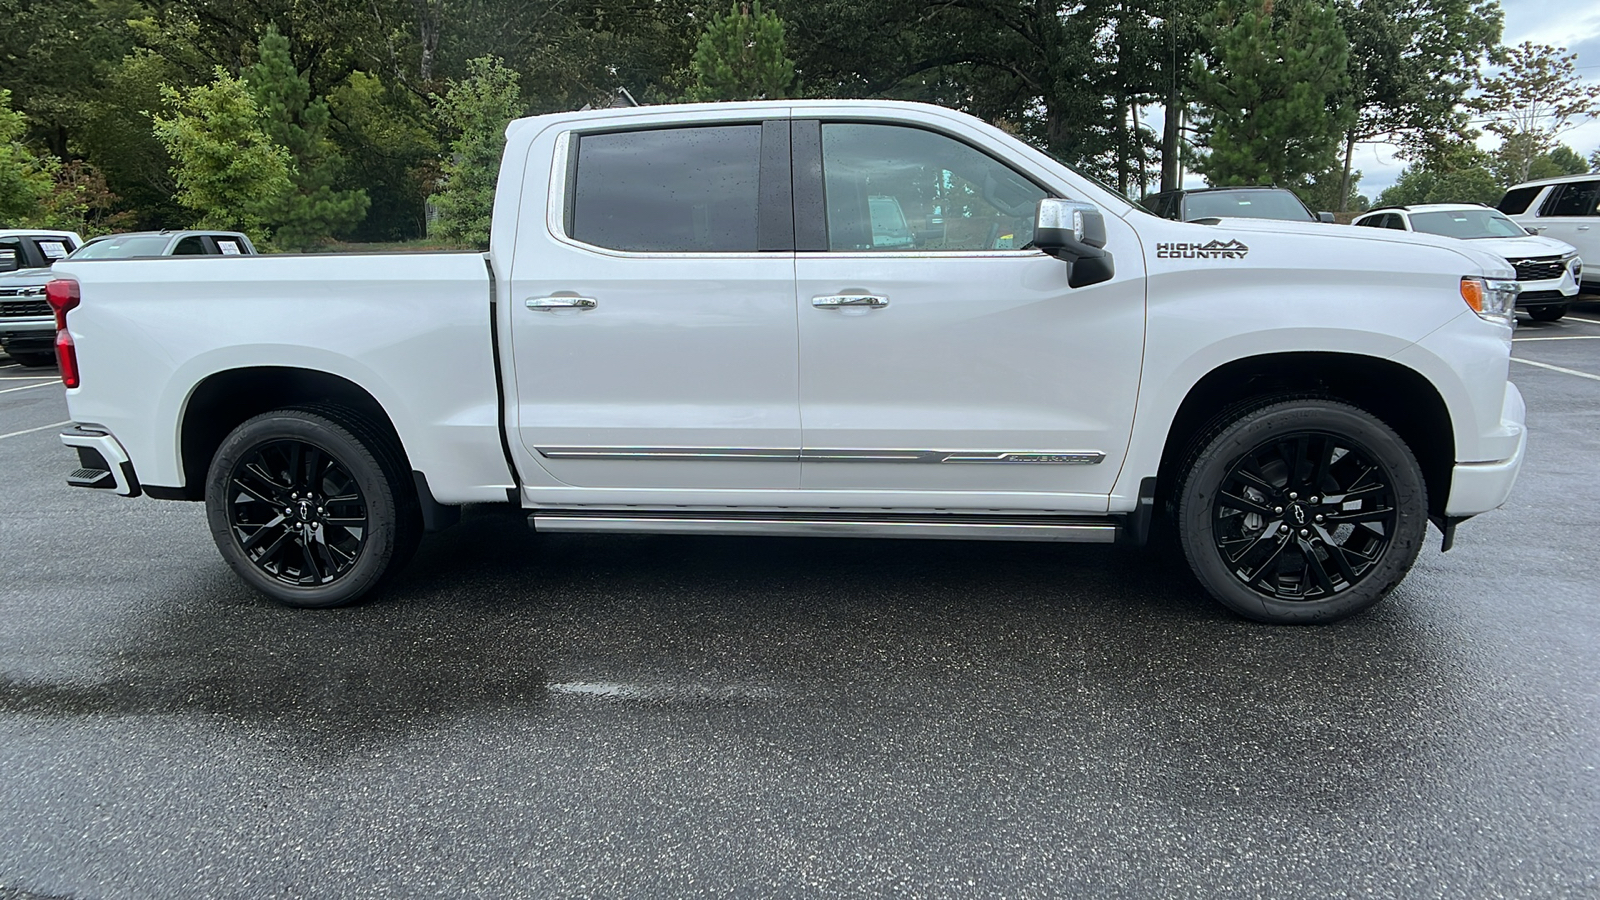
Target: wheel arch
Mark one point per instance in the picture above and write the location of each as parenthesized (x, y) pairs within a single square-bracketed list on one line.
[(223, 400), (1399, 396)]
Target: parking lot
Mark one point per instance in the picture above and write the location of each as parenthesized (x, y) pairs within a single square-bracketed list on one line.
[(566, 715)]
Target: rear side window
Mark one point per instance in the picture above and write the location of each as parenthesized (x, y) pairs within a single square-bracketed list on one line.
[(690, 190), (1373, 222), (1516, 201), (1580, 198)]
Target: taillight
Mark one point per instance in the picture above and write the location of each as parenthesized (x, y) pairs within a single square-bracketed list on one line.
[(62, 294)]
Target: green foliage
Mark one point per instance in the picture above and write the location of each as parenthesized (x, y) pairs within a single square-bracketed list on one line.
[(26, 178), (1270, 92), (741, 56), (477, 108), (312, 211), (228, 170), (389, 143), (1513, 154), (1469, 184), (1535, 97)]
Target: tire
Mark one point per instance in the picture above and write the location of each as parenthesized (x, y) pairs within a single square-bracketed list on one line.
[(33, 359), (1546, 313), (1254, 518), (312, 540)]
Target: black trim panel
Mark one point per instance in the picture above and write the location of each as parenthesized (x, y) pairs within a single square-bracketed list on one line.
[(775, 208), (810, 207)]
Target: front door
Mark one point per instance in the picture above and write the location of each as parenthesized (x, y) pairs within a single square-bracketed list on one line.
[(1572, 214), (654, 330), (938, 354)]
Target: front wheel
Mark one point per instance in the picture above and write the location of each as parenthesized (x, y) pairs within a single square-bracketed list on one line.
[(1546, 313), (1302, 511), (310, 506)]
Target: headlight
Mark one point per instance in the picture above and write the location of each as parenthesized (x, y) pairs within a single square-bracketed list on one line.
[(1494, 299), (1577, 266)]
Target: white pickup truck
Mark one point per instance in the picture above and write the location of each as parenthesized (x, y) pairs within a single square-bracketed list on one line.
[(700, 319)]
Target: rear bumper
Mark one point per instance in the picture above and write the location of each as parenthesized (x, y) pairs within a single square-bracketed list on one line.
[(1481, 486), (102, 463)]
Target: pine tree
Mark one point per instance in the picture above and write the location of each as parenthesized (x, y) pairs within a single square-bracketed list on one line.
[(741, 56), (478, 108), (26, 178), (1270, 92), (313, 210)]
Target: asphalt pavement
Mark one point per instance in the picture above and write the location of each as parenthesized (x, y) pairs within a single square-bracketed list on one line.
[(567, 715)]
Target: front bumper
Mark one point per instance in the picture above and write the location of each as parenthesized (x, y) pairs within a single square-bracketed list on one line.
[(102, 463), (1481, 486), (32, 333)]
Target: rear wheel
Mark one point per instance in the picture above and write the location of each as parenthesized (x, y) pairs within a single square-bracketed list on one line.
[(33, 359), (1546, 313), (311, 506), (1302, 511)]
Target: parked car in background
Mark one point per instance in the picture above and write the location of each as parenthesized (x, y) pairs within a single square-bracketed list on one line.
[(1565, 208), (1260, 202), (27, 327), (1548, 270), (136, 244)]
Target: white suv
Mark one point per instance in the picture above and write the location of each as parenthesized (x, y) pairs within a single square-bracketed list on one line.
[(1548, 270), (1565, 208)]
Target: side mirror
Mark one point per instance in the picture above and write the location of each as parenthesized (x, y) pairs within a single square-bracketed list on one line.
[(1530, 230), (1326, 217), (1075, 233)]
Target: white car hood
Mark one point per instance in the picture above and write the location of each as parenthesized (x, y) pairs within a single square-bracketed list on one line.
[(1523, 247), (1493, 264)]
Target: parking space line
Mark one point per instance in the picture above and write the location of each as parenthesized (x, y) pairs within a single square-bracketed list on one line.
[(26, 387), (32, 430), (1578, 319), (1553, 337), (1560, 369)]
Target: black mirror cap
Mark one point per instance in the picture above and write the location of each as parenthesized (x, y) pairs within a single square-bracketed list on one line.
[(1069, 230), (1326, 217)]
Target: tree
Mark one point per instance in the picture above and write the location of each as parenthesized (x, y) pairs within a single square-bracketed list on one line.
[(228, 169), (741, 56), (1269, 92), (311, 211), (1510, 157), (1411, 62), (26, 178), (1534, 98), (1466, 184), (478, 108)]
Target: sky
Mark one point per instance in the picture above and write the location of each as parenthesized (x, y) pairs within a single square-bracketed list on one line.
[(1574, 24)]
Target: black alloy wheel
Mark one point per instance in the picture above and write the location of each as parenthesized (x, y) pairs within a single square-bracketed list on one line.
[(1304, 516), (1301, 510), (297, 513), (312, 506)]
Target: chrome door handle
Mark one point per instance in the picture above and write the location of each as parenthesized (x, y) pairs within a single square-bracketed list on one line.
[(549, 303), (850, 301), (1583, 228)]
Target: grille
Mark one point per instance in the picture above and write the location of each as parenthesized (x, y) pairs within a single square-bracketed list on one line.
[(21, 292), (16, 309), (1538, 269)]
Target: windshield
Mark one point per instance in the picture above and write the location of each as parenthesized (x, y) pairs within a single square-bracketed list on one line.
[(1248, 205), (124, 247), (1467, 224)]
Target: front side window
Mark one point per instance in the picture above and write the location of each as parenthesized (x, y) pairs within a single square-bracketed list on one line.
[(11, 258), (1579, 198), (690, 190), (889, 187), (190, 246)]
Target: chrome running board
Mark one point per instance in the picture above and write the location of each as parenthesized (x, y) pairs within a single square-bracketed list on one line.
[(822, 523)]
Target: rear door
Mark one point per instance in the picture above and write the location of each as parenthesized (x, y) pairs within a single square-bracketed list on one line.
[(652, 317), (962, 364)]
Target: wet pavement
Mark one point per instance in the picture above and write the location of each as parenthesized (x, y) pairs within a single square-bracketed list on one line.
[(565, 715)]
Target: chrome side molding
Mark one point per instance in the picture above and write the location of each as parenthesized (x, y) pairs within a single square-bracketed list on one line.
[(1005, 457)]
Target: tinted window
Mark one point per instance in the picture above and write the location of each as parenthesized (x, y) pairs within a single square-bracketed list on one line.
[(1516, 201), (1247, 204), (1577, 199), (11, 258), (893, 188), (678, 189), (1372, 222), (190, 246), (1395, 221)]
